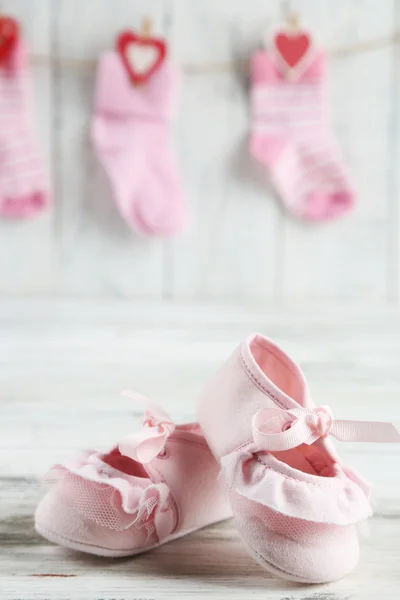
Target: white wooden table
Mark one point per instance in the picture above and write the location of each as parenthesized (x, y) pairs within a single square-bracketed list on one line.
[(62, 363)]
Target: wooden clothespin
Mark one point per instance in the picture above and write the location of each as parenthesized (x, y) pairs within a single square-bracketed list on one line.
[(9, 33), (141, 53), (292, 46), (293, 22), (146, 27)]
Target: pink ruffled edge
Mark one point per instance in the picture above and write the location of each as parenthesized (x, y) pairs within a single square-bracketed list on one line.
[(137, 494), (331, 500)]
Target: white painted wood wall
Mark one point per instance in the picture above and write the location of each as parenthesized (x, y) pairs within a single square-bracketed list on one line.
[(240, 245)]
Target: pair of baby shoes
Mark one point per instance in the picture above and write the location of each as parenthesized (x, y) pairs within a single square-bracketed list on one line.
[(294, 503)]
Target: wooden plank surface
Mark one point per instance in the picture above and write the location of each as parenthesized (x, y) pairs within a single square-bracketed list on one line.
[(343, 259), (394, 175), (100, 254), (233, 242), (211, 563), (62, 365), (239, 245)]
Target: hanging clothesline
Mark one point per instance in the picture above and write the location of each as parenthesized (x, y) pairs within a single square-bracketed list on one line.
[(220, 67)]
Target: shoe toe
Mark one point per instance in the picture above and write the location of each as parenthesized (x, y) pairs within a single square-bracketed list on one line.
[(57, 520), (300, 550)]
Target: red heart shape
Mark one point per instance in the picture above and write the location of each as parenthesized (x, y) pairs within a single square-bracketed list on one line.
[(128, 40), (9, 31), (292, 47)]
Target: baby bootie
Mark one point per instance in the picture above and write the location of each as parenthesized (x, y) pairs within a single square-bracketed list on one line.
[(153, 487), (295, 504)]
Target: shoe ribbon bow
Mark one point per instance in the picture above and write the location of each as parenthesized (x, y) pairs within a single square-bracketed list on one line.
[(276, 430), (145, 445)]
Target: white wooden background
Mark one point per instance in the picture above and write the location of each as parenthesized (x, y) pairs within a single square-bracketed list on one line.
[(240, 244)]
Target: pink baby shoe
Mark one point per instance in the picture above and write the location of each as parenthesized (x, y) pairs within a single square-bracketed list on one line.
[(154, 486), (295, 504)]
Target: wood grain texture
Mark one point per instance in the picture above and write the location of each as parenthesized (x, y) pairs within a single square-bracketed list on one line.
[(240, 245), (233, 243), (100, 254), (62, 365), (211, 563), (344, 259), (394, 174)]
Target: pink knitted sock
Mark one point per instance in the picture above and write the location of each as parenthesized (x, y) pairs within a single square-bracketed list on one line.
[(130, 133), (23, 189), (291, 135)]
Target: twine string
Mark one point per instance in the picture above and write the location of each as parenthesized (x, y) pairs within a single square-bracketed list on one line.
[(223, 66)]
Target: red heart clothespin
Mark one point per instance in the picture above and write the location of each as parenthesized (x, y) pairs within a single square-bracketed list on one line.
[(141, 54), (9, 32), (293, 48)]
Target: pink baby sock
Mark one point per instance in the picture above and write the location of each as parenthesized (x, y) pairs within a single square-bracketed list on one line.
[(131, 134), (291, 136), (23, 189)]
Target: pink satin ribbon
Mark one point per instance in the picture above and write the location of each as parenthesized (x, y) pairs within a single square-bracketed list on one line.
[(277, 430), (145, 445)]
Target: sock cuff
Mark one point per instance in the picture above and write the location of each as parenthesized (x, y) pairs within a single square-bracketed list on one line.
[(115, 94), (264, 70), (17, 61)]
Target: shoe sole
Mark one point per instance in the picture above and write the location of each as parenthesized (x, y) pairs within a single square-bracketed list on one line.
[(61, 540), (263, 562), (277, 571)]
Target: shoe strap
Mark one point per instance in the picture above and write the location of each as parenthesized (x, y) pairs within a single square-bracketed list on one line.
[(275, 429), (145, 445)]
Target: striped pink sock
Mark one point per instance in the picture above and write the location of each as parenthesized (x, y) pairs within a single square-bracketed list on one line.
[(23, 190), (291, 135)]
